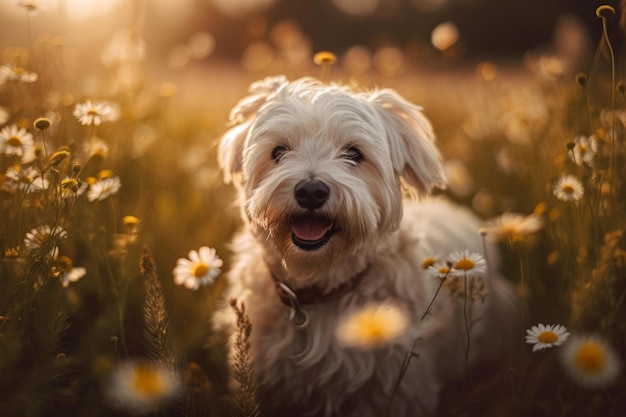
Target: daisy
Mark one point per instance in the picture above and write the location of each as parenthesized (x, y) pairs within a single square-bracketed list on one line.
[(439, 269), (103, 188), (590, 361), (68, 272), (15, 73), (512, 226), (32, 8), (545, 336), (584, 150), (202, 267), (372, 326), (141, 386), (72, 187), (45, 237), (569, 189), (15, 140), (464, 262), (28, 178), (95, 113)]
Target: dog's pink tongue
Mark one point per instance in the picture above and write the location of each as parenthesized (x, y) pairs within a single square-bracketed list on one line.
[(310, 228)]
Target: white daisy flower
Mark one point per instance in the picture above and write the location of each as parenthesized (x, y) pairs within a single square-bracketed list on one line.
[(94, 113), (569, 188), (372, 326), (45, 237), (202, 267), (142, 386), (27, 178), (440, 270), (15, 140), (464, 262), (15, 73), (545, 336), (103, 188), (584, 150), (68, 272), (512, 226), (591, 361)]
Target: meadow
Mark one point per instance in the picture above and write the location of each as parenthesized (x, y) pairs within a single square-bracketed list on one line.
[(109, 177)]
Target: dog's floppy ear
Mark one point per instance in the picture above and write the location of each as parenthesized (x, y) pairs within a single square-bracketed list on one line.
[(414, 155), (241, 118)]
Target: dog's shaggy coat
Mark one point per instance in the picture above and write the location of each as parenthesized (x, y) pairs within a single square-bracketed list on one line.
[(320, 172)]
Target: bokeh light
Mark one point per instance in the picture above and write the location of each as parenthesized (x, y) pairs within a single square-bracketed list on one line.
[(444, 36)]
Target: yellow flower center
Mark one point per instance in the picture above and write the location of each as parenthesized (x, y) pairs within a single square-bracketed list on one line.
[(465, 264), (371, 329), (428, 262), (547, 337), (92, 112), (567, 189), (444, 270), (65, 263), (200, 269), (590, 358), (14, 141), (147, 381)]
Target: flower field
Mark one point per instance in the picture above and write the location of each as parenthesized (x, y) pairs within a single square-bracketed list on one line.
[(116, 223)]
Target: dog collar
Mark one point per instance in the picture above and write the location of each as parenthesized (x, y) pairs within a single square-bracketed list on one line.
[(296, 298)]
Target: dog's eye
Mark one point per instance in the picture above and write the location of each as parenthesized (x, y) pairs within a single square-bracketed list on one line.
[(353, 154), (278, 152)]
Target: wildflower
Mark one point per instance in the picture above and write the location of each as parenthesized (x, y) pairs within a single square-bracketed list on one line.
[(569, 188), (590, 361), (28, 178), (15, 140), (45, 238), (96, 148), (464, 262), (15, 73), (103, 188), (512, 226), (95, 113), (584, 149), (72, 187), (141, 386), (31, 7), (372, 326), (605, 11), (42, 123), (439, 270), (60, 155), (324, 58), (66, 270), (545, 336), (131, 224), (200, 269), (430, 261)]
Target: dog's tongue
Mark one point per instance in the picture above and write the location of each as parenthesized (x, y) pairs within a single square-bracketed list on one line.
[(310, 228)]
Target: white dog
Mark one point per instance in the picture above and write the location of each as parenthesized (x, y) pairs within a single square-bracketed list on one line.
[(320, 172)]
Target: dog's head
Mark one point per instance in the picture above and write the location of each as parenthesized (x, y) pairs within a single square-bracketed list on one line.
[(320, 168)]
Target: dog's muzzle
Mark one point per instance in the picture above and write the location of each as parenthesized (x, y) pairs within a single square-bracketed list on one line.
[(311, 230)]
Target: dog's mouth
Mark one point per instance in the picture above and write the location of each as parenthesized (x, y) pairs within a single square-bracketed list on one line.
[(311, 231)]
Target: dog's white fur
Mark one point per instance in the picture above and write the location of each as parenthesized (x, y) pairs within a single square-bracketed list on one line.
[(377, 234)]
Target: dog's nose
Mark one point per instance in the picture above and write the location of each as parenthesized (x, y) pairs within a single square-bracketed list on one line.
[(311, 194)]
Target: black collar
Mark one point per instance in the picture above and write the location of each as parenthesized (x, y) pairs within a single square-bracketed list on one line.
[(296, 298)]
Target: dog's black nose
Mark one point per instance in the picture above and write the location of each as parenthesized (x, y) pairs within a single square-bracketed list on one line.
[(311, 194)]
